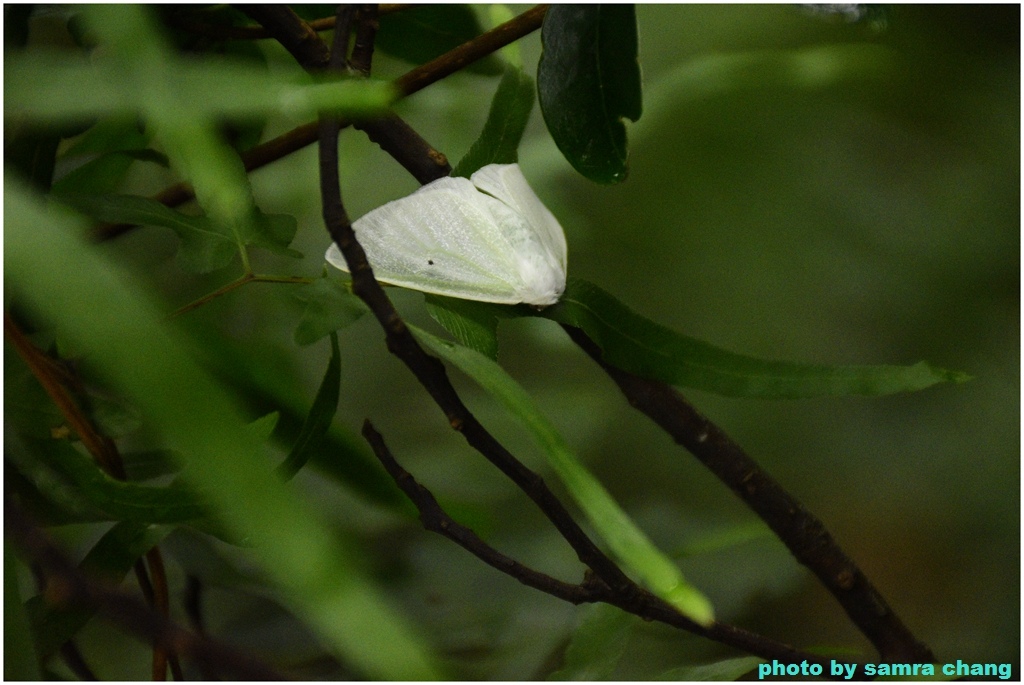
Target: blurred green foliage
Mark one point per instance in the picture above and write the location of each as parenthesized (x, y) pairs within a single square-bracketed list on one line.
[(799, 188)]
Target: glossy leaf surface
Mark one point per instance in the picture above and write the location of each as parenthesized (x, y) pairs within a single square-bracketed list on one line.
[(588, 80)]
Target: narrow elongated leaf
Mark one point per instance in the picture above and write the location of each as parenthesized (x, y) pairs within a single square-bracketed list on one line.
[(510, 111), (641, 346), (597, 644), (315, 427), (627, 542), (110, 559), (634, 343), (130, 344), (589, 80)]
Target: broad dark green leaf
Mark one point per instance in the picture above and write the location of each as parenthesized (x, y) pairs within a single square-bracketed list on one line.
[(510, 111), (317, 423), (330, 305), (109, 560), (627, 542), (727, 669), (205, 245), (634, 343), (419, 33), (589, 81), (597, 644), (139, 354)]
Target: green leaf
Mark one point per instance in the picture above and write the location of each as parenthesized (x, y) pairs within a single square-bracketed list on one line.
[(205, 246), (109, 560), (97, 176), (510, 111), (315, 427), (473, 324), (119, 500), (627, 542), (420, 33), (135, 350), (727, 669), (588, 80), (272, 232), (636, 344), (330, 305), (21, 662), (597, 644)]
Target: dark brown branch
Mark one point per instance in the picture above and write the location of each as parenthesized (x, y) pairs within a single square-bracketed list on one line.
[(288, 28), (66, 587), (804, 535), (637, 601), (412, 82)]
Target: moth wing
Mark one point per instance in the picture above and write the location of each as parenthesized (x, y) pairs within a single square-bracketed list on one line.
[(507, 183), (442, 239)]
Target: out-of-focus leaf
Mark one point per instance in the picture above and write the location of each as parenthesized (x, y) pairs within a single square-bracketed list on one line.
[(272, 232), (343, 456), (315, 427), (330, 305), (97, 176), (588, 80), (142, 465), (727, 669), (130, 344), (634, 343), (120, 500), (205, 246), (510, 111), (628, 543), (110, 559), (597, 644), (21, 662), (56, 87), (419, 33)]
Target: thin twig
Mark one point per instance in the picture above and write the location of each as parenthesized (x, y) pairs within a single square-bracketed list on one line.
[(802, 532), (411, 82)]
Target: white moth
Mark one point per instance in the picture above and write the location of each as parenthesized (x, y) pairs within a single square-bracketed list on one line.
[(486, 238)]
